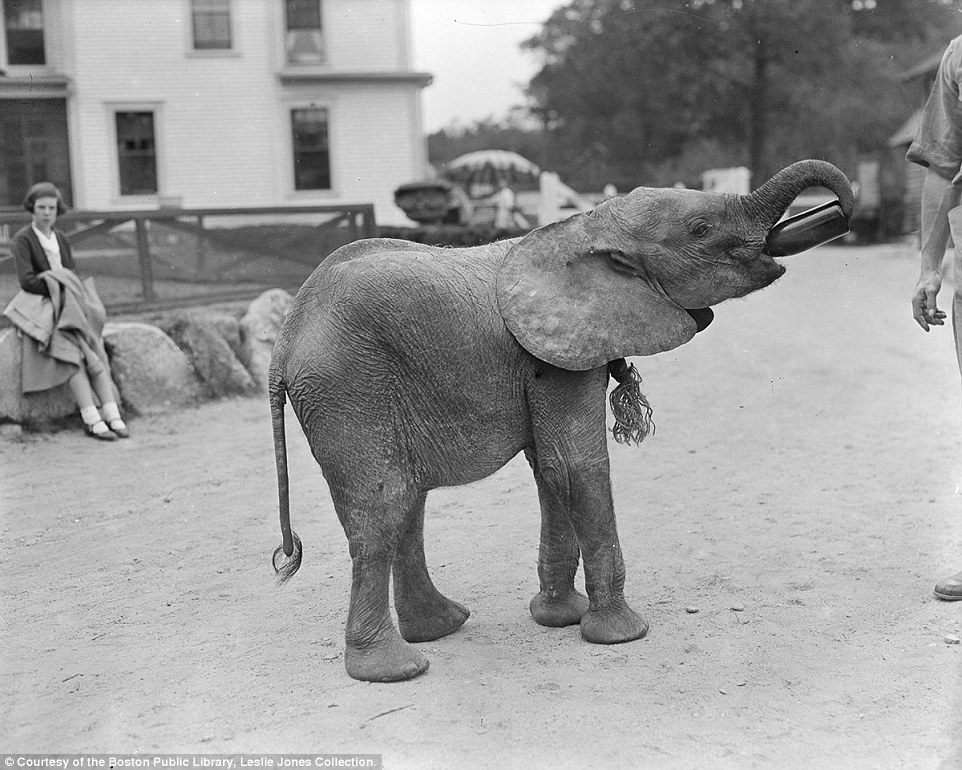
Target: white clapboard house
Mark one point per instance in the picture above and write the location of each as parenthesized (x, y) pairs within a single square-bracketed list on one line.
[(129, 104)]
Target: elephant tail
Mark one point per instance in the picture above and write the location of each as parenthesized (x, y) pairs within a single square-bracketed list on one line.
[(628, 404), (287, 556)]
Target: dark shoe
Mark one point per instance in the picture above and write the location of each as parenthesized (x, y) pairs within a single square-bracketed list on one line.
[(123, 432), (950, 589), (107, 435)]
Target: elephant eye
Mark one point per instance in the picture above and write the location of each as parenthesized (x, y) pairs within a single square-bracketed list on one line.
[(699, 227)]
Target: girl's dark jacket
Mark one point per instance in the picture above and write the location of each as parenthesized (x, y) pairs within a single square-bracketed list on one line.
[(31, 259)]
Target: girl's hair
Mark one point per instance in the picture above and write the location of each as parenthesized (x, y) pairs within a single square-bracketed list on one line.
[(44, 190)]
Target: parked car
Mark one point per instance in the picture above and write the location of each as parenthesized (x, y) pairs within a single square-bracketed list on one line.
[(462, 194), (434, 202)]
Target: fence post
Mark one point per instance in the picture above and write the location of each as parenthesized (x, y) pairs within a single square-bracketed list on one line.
[(369, 225), (201, 250), (143, 255)]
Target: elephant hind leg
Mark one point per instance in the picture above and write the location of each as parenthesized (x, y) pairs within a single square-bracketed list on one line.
[(424, 613), (375, 652), (373, 523)]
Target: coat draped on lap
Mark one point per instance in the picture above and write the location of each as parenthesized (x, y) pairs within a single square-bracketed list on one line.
[(74, 337)]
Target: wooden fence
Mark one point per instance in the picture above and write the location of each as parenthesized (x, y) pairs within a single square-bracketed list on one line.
[(162, 258)]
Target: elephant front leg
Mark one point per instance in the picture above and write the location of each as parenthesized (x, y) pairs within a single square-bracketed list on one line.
[(573, 473), (609, 619), (557, 603), (423, 612), (584, 494)]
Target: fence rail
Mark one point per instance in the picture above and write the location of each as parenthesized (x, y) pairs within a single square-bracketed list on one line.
[(161, 258)]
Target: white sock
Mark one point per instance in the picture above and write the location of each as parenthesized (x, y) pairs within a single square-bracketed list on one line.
[(110, 411), (90, 415)]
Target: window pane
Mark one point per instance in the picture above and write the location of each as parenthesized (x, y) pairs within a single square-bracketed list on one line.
[(24, 28), (305, 46), (136, 153), (305, 38), (312, 163), (303, 14), (211, 24)]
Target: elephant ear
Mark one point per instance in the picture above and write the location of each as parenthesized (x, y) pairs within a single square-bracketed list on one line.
[(568, 302)]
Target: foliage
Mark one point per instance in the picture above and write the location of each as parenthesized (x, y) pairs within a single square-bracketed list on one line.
[(514, 134), (633, 83), (654, 91)]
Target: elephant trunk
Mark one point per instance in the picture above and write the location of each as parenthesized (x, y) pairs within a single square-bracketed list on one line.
[(773, 198)]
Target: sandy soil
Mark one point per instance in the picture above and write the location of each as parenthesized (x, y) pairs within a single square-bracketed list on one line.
[(801, 492)]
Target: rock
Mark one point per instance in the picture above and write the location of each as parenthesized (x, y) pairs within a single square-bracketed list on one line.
[(229, 327), (227, 320), (259, 328), (151, 372), (951, 638), (738, 608), (691, 610), (200, 336), (227, 324), (10, 431), (32, 408)]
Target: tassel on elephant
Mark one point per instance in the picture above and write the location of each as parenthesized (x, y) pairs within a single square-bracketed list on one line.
[(411, 367)]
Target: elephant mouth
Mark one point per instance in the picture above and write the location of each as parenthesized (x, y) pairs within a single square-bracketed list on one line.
[(702, 316), (774, 271)]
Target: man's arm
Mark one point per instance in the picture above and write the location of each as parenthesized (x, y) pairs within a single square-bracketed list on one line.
[(939, 197)]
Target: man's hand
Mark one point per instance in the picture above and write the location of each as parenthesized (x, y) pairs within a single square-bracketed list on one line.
[(924, 308)]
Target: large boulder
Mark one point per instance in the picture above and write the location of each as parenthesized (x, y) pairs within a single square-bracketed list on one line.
[(151, 372), (229, 328), (201, 335), (32, 408), (259, 328)]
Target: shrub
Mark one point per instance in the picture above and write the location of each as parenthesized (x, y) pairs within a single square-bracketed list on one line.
[(450, 235)]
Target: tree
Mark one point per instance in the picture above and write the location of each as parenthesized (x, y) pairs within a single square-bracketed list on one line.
[(629, 87), (514, 133)]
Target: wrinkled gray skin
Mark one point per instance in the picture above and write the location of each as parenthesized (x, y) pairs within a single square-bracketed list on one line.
[(411, 367)]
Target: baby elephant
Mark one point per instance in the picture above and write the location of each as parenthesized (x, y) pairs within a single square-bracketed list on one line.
[(411, 367)]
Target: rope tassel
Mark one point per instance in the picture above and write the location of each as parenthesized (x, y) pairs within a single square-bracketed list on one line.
[(628, 404)]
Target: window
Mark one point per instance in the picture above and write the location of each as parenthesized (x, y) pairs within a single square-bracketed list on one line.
[(23, 20), (305, 38), (33, 147), (136, 153), (211, 24), (312, 160)]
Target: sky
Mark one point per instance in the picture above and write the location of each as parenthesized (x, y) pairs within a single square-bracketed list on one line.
[(472, 47)]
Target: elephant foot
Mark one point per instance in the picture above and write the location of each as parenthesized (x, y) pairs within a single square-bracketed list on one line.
[(432, 619), (392, 660), (559, 609), (613, 625)]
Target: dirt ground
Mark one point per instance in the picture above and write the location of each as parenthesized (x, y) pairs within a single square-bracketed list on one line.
[(802, 493)]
